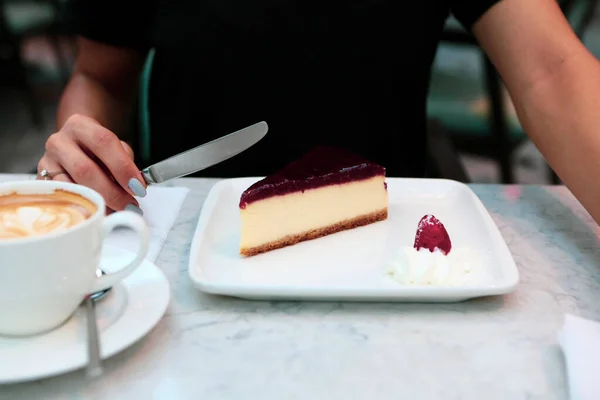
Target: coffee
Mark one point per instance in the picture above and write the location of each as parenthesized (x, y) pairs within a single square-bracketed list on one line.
[(25, 215)]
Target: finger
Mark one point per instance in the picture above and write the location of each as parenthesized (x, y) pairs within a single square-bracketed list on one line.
[(63, 178), (128, 149), (108, 148), (84, 171), (52, 167)]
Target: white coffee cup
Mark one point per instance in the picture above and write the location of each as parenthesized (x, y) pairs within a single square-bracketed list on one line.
[(43, 279)]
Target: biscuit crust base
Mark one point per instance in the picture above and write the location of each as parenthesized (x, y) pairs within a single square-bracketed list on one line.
[(316, 233)]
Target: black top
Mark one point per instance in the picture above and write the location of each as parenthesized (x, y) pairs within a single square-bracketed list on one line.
[(348, 73)]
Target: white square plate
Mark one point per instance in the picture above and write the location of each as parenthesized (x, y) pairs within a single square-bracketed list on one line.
[(348, 265)]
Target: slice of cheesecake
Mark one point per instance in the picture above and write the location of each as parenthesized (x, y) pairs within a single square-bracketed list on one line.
[(326, 191)]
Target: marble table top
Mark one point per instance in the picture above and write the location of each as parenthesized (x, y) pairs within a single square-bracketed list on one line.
[(209, 347)]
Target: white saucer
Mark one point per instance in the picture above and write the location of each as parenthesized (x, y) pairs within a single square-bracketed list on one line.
[(349, 265), (125, 315)]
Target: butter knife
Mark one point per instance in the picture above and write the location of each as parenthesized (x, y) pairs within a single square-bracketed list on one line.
[(205, 155)]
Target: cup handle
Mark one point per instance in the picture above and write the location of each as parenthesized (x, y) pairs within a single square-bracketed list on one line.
[(136, 223)]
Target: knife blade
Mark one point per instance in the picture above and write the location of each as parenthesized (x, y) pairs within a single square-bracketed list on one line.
[(205, 155)]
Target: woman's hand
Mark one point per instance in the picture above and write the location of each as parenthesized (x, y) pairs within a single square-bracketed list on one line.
[(86, 153)]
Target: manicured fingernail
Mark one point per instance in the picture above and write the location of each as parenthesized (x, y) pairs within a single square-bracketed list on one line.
[(137, 188), (134, 208)]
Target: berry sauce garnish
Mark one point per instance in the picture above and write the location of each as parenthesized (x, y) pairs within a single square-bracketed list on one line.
[(432, 234)]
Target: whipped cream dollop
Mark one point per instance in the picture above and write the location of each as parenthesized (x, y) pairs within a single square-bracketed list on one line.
[(423, 267)]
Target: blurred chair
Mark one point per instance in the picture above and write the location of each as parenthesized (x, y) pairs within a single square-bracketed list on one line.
[(472, 104), (23, 19), (141, 138), (443, 158)]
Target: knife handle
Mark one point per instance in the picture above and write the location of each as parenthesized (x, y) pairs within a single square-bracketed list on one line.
[(148, 176)]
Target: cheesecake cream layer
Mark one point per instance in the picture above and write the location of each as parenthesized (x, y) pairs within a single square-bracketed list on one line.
[(274, 218)]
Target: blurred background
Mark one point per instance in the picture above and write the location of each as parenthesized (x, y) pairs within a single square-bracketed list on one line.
[(474, 132)]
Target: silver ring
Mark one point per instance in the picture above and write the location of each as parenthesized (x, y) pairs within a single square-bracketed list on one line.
[(48, 176)]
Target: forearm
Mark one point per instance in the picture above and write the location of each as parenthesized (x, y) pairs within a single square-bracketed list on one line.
[(554, 82), (87, 96), (561, 115)]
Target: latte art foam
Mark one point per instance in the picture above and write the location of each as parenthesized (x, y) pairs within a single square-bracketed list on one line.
[(26, 215)]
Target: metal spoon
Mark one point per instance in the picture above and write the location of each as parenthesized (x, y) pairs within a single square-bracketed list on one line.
[(94, 366), (98, 295)]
